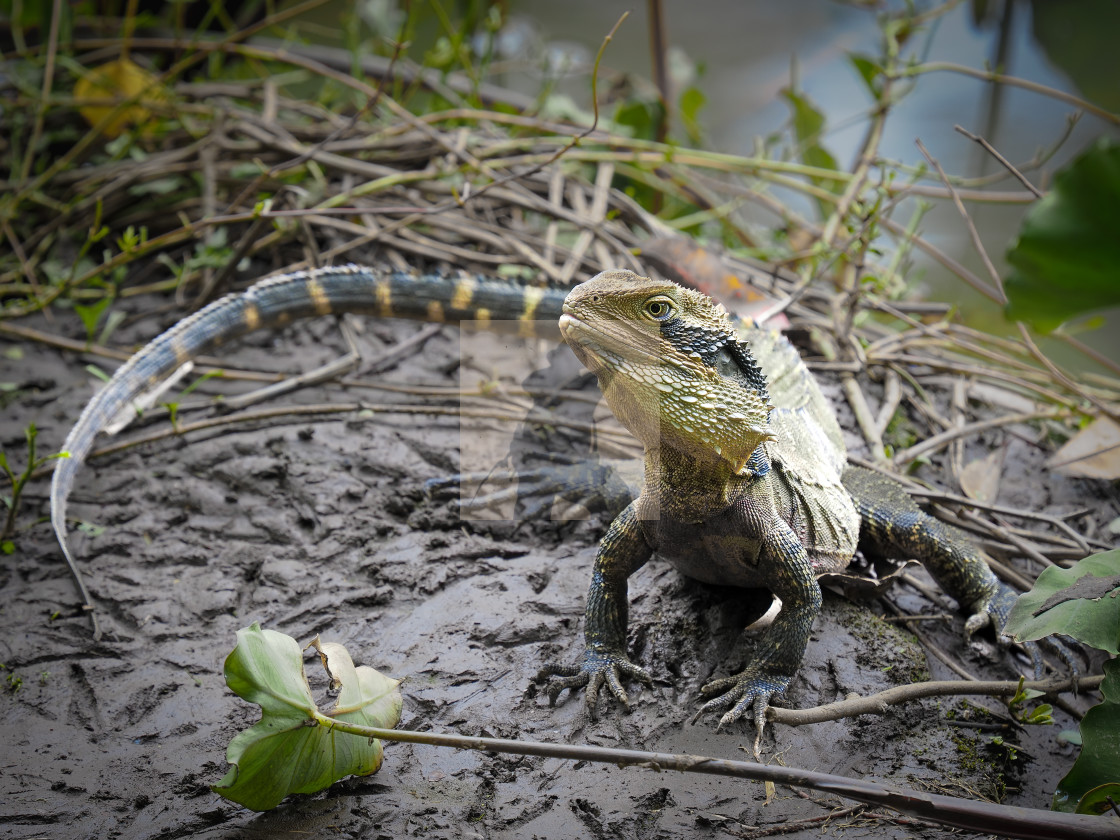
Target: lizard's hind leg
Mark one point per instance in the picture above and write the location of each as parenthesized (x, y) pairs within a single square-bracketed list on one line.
[(892, 525)]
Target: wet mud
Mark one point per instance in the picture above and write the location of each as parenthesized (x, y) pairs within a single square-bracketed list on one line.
[(323, 527)]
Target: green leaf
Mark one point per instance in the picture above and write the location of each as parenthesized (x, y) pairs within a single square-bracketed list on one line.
[(692, 100), (1066, 260), (1082, 601), (1096, 801), (91, 314), (808, 126), (1098, 764), (98, 372), (870, 71), (1080, 38), (293, 749)]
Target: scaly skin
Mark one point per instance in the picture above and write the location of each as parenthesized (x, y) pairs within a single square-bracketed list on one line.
[(737, 491)]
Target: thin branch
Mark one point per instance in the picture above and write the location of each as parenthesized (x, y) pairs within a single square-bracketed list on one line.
[(1013, 81), (990, 149), (45, 95), (978, 244), (877, 704), (321, 409), (968, 814), (1061, 376)]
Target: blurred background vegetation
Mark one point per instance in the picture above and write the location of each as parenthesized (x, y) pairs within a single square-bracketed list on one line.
[(798, 81)]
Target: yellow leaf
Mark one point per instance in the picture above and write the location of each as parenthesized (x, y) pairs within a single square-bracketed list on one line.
[(111, 84)]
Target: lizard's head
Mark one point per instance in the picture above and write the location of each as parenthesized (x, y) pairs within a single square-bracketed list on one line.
[(669, 364)]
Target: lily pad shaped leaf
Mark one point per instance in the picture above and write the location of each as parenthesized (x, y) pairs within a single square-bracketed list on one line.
[(294, 747), (1082, 601)]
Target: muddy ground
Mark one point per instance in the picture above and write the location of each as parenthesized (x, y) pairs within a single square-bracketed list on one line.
[(322, 527)]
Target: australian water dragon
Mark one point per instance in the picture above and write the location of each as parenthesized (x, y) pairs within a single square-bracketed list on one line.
[(746, 480)]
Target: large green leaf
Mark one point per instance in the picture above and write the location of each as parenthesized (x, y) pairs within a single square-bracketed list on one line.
[(1082, 601), (1097, 769), (1080, 37), (294, 749), (1066, 260)]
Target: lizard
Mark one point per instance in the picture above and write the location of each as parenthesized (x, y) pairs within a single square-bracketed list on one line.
[(746, 483), (736, 490)]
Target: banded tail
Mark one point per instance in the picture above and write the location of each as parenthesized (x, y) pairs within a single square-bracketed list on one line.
[(276, 301)]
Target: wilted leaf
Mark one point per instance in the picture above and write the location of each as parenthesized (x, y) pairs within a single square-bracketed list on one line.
[(108, 86), (293, 749), (1096, 772), (1094, 452), (980, 477), (1066, 260), (1082, 601), (366, 697)]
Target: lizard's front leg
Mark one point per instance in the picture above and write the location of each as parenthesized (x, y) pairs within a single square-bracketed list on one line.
[(623, 551), (789, 576)]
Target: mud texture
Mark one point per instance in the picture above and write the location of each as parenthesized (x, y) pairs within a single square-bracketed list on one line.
[(323, 528)]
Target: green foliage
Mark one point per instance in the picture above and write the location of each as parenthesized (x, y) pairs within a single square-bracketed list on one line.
[(870, 72), (91, 315), (808, 125), (1040, 715), (1081, 601), (18, 482), (1080, 37), (692, 101), (1097, 769), (173, 407), (641, 115), (1066, 260), (295, 748)]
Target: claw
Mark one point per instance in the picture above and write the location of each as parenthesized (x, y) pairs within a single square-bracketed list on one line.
[(996, 610), (752, 689), (598, 669), (758, 702)]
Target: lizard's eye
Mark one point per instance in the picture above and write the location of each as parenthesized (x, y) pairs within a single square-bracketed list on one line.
[(659, 308)]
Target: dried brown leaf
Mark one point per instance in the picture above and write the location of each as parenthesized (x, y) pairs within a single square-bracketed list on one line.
[(1094, 452), (980, 477)]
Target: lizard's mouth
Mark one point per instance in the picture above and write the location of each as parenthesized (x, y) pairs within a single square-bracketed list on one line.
[(599, 342), (581, 339)]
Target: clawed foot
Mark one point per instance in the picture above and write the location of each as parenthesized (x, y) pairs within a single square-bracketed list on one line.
[(751, 689), (598, 669), (995, 613)]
